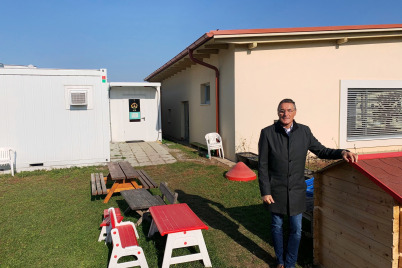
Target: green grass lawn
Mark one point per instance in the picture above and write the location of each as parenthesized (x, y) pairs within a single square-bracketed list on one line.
[(50, 219)]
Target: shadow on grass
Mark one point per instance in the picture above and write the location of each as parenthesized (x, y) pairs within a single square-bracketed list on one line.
[(253, 218)]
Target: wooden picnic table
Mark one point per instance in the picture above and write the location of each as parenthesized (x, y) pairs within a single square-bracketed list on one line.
[(123, 176), (183, 228), (140, 200)]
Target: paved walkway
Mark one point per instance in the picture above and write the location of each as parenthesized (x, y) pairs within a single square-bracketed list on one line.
[(141, 153)]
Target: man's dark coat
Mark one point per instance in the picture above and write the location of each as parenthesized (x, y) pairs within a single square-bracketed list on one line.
[(281, 165)]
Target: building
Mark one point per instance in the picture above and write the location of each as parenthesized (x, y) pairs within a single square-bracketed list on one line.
[(61, 117), (346, 81)]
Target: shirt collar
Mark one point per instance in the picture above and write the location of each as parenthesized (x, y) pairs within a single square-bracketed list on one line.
[(288, 130)]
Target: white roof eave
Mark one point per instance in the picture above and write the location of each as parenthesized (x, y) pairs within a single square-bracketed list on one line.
[(134, 84)]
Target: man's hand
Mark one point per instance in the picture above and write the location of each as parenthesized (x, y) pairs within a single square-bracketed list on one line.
[(349, 156), (268, 199)]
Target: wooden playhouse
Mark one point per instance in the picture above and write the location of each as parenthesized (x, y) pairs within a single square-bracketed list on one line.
[(358, 213)]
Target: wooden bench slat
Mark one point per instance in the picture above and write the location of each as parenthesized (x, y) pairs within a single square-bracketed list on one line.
[(93, 184), (115, 171), (146, 180), (128, 170), (98, 184), (103, 184), (142, 179), (153, 184)]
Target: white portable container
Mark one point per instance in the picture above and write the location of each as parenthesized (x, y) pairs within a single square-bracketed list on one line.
[(54, 117)]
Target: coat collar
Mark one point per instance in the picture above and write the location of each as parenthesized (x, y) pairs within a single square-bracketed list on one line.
[(279, 127)]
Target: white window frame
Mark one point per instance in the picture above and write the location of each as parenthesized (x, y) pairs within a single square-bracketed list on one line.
[(205, 94), (368, 141)]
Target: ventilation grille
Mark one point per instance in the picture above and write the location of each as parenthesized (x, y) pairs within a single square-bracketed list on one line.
[(374, 113), (78, 98)]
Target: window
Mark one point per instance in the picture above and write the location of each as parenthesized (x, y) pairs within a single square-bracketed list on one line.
[(370, 113), (205, 94), (169, 116), (374, 113)]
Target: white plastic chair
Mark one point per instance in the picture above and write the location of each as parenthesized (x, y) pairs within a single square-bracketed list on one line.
[(7, 158), (214, 142)]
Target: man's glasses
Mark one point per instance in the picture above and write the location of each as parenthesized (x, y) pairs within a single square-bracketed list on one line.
[(284, 111)]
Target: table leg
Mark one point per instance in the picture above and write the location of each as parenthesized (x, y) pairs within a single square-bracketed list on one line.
[(185, 239), (111, 191), (153, 229)]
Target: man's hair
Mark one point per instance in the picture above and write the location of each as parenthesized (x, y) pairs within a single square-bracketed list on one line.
[(286, 101)]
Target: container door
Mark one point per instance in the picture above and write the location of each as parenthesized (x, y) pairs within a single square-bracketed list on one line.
[(133, 114)]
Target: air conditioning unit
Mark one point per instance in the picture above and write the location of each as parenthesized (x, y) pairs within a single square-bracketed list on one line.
[(78, 97)]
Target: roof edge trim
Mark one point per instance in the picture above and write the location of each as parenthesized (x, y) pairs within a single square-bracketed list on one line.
[(200, 41), (306, 29), (222, 33), (379, 155)]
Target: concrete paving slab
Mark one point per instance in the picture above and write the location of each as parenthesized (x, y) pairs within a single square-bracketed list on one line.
[(141, 153)]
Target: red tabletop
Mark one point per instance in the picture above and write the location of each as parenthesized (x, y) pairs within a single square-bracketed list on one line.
[(175, 218)]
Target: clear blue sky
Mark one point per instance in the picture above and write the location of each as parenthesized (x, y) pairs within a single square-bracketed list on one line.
[(132, 38)]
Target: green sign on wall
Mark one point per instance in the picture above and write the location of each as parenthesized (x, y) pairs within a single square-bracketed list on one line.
[(134, 110)]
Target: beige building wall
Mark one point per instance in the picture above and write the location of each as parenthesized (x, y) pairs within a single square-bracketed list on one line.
[(186, 87), (310, 74)]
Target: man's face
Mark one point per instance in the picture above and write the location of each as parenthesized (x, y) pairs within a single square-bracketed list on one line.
[(286, 114)]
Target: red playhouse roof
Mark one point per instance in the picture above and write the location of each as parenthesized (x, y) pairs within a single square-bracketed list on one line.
[(385, 170), (241, 172)]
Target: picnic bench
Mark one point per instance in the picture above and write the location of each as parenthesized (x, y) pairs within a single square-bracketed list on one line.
[(199, 145), (98, 184), (140, 200), (146, 181), (124, 177)]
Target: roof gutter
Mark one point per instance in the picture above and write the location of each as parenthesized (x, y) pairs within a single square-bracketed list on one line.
[(190, 54)]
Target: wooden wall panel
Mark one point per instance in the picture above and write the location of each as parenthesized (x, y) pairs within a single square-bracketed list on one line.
[(352, 252), (331, 260), (372, 207), (331, 199), (350, 174), (358, 191), (361, 242)]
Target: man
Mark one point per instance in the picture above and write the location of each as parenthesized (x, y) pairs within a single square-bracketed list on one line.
[(282, 153)]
